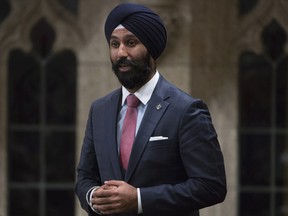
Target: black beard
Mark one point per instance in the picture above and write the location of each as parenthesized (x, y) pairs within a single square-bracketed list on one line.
[(138, 75)]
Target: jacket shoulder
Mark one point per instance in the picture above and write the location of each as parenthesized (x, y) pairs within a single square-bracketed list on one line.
[(110, 96)]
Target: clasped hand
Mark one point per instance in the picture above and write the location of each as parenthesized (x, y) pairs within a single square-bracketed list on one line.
[(115, 197)]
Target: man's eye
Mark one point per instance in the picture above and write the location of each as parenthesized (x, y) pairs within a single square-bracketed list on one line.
[(131, 43), (114, 44)]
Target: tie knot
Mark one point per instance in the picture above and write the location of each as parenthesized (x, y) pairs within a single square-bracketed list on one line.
[(132, 101)]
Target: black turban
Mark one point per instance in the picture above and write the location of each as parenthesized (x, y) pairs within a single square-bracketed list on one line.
[(145, 24)]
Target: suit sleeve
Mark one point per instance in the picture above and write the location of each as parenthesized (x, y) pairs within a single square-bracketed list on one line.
[(87, 170), (203, 162)]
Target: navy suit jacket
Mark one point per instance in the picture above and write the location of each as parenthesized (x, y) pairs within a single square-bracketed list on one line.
[(176, 176)]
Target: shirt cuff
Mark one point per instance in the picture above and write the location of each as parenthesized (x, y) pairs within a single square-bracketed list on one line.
[(140, 211), (89, 195)]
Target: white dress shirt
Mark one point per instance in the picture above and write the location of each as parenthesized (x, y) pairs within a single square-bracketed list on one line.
[(143, 94)]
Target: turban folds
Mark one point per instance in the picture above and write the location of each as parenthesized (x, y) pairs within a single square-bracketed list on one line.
[(145, 24)]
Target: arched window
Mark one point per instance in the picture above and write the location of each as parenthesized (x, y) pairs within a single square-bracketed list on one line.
[(263, 126), (41, 127)]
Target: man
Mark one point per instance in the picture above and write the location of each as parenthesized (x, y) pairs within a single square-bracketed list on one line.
[(174, 166)]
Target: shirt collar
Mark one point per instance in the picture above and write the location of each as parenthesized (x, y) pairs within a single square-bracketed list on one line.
[(145, 92)]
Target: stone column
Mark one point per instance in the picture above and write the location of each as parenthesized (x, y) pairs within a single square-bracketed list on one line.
[(214, 79)]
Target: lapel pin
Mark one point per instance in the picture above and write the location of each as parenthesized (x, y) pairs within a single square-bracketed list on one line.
[(158, 106)]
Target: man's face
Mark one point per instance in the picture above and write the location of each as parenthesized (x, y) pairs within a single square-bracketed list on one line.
[(131, 62)]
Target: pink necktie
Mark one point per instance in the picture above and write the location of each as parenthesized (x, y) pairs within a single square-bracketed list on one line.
[(128, 130)]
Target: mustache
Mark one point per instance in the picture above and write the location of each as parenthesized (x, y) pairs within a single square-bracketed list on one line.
[(124, 61)]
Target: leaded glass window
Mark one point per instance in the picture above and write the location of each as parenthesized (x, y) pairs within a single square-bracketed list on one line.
[(263, 126), (41, 127)]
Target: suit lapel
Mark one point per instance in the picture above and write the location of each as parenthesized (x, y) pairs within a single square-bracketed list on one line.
[(155, 109), (111, 113)]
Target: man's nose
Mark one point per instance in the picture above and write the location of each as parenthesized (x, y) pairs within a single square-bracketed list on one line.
[(122, 51)]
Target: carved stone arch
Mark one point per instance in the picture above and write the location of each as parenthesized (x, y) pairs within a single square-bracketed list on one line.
[(68, 23), (69, 28), (261, 9), (15, 32), (252, 24), (281, 15)]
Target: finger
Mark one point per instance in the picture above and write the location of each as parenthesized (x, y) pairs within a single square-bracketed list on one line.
[(102, 201), (108, 209), (105, 192), (116, 183), (96, 209), (109, 187)]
